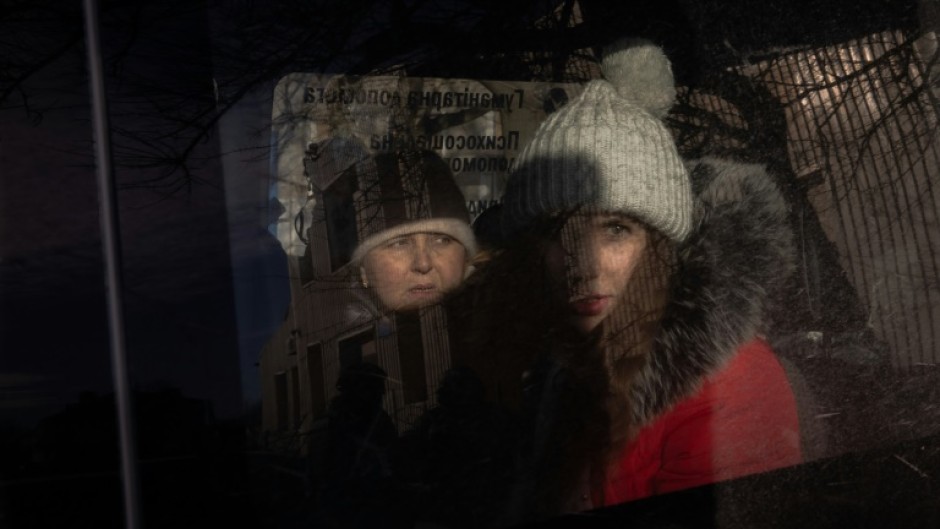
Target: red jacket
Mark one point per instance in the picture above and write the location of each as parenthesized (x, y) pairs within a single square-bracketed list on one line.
[(742, 421)]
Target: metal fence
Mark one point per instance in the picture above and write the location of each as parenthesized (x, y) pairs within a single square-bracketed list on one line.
[(851, 131)]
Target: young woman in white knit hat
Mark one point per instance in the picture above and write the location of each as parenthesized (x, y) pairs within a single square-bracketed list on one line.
[(631, 291)]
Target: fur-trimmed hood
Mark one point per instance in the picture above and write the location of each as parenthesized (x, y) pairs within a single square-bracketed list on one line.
[(737, 255), (740, 252)]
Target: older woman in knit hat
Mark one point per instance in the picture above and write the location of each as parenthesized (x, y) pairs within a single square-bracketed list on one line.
[(418, 242), (637, 282)]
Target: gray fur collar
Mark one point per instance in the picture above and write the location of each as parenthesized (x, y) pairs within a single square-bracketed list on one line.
[(739, 253)]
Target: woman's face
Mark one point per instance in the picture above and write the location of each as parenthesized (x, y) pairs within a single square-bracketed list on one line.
[(590, 262), (414, 270)]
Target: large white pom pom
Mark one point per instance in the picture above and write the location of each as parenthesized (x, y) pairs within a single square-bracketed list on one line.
[(641, 73)]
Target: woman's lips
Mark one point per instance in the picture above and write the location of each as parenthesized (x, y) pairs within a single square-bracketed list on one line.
[(423, 290), (590, 305)]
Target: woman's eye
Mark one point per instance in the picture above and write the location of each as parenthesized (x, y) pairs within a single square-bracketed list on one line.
[(616, 229), (443, 239), (399, 243)]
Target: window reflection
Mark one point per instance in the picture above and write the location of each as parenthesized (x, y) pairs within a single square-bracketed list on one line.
[(244, 309)]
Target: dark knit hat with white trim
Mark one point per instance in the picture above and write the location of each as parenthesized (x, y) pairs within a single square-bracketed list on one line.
[(409, 192), (608, 150)]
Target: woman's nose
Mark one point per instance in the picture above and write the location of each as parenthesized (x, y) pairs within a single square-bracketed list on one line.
[(581, 263), (421, 259), (580, 258)]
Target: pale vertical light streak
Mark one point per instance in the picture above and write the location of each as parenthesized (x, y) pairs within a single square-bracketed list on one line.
[(110, 241)]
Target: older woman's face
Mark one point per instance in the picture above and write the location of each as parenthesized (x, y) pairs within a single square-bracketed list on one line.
[(415, 270), (590, 262)]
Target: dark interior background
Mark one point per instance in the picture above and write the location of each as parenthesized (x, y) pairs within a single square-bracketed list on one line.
[(205, 283)]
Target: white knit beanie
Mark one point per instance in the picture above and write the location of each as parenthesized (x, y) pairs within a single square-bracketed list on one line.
[(608, 150)]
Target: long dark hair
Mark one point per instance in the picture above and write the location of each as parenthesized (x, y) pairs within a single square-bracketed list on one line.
[(573, 389)]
